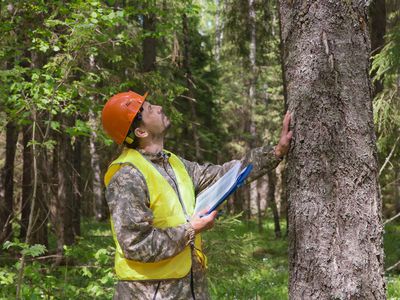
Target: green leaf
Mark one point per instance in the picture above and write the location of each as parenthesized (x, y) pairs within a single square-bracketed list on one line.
[(35, 250), (86, 272), (6, 278)]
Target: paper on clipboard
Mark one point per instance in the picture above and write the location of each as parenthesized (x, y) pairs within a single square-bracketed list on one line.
[(214, 195)]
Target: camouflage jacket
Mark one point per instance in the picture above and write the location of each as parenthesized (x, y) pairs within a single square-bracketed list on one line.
[(128, 199)]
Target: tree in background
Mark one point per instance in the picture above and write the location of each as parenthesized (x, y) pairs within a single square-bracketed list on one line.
[(335, 231)]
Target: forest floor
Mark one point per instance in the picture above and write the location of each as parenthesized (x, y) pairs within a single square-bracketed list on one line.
[(243, 264)]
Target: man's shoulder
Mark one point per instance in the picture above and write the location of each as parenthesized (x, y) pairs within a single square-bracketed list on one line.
[(127, 173)]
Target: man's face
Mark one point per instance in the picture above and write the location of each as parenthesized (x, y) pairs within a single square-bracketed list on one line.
[(154, 119)]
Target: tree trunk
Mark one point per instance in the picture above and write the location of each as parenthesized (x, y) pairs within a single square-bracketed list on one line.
[(262, 201), (27, 179), (397, 189), (279, 187), (218, 30), (272, 202), (253, 72), (377, 11), (98, 204), (65, 190), (39, 210), (190, 95), (335, 233), (6, 200), (149, 43), (77, 186)]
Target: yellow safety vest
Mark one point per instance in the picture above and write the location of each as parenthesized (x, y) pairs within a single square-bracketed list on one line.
[(167, 212)]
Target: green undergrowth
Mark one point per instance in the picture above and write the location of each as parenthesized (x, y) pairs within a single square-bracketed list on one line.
[(392, 256), (243, 264)]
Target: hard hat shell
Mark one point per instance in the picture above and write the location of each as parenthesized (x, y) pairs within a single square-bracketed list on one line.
[(119, 112)]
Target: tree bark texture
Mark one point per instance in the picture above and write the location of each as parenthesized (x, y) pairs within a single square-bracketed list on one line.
[(98, 204), (335, 233), (6, 201)]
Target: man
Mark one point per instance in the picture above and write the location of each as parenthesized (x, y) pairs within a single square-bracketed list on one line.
[(151, 195)]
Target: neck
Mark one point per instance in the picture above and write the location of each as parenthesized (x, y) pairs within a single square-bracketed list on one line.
[(153, 146)]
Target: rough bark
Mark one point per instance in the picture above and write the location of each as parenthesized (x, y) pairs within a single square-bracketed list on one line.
[(6, 199), (98, 203), (335, 233)]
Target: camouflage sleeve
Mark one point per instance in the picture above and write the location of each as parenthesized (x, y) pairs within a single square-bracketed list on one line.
[(128, 199), (263, 159)]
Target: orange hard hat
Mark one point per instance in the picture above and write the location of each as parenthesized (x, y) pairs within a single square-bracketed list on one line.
[(119, 112)]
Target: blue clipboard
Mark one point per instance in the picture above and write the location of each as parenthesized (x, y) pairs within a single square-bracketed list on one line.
[(239, 182)]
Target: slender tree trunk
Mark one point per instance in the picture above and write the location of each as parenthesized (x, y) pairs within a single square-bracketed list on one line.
[(335, 232), (272, 202), (377, 11), (279, 187), (149, 44), (65, 190), (77, 186), (98, 201), (397, 189), (218, 30), (262, 200), (42, 190), (26, 180), (251, 126), (190, 95), (6, 200), (253, 71), (98, 204)]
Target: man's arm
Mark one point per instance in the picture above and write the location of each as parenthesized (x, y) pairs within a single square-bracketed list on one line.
[(263, 159)]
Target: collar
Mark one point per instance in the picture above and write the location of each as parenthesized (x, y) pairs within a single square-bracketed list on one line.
[(155, 157)]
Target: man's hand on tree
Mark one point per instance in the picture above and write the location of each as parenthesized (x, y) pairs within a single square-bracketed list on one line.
[(200, 224), (284, 143)]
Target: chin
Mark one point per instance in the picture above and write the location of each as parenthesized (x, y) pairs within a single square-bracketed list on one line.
[(167, 123)]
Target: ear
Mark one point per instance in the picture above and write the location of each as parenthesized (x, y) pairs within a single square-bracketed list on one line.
[(141, 133)]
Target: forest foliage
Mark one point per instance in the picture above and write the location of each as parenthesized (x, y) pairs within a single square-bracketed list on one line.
[(61, 60)]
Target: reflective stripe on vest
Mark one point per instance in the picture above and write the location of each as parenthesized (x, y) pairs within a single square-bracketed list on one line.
[(167, 212)]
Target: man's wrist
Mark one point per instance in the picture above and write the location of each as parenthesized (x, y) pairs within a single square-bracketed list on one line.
[(190, 234), (278, 153)]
